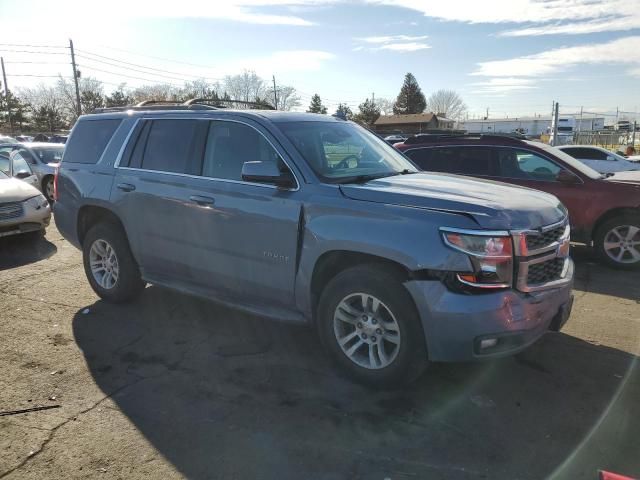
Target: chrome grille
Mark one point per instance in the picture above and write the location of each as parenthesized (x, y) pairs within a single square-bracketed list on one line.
[(536, 241), (10, 210), (544, 272)]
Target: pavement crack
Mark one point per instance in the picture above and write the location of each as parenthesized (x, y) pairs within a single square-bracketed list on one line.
[(52, 431)]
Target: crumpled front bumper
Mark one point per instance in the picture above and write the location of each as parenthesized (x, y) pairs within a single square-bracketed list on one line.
[(455, 323)]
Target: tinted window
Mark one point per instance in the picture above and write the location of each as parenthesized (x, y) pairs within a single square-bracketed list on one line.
[(230, 145), (4, 164), (174, 146), (521, 164), (434, 159), (586, 153), (89, 139), (475, 161)]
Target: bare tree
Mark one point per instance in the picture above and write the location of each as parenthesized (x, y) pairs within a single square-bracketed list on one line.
[(288, 99), (247, 86), (47, 107), (385, 105), (447, 103)]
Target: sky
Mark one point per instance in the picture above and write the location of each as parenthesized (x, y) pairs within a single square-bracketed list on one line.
[(512, 57)]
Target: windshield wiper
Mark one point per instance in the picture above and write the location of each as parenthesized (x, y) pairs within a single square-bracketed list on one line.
[(360, 178)]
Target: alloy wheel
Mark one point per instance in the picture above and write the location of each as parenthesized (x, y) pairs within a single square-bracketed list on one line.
[(622, 244), (104, 264), (367, 331)]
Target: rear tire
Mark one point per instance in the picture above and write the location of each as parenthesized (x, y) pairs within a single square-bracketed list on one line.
[(617, 242), (368, 310), (109, 264), (47, 188)]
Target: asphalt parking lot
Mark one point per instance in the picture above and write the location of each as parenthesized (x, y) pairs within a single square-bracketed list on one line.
[(177, 387)]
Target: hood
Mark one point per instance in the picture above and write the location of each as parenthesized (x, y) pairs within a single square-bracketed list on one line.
[(14, 190), (493, 205), (631, 176)]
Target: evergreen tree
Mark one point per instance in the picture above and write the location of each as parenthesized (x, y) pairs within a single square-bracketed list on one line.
[(316, 105), (410, 99), (368, 112), (343, 111)]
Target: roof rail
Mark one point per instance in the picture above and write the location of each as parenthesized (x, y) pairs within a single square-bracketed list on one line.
[(427, 137), (153, 107), (146, 103), (222, 103)]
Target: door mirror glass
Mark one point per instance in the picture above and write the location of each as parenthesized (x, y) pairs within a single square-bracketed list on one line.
[(565, 176), (267, 172)]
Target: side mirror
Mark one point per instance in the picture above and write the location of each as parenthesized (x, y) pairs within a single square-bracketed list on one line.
[(267, 172), (565, 176), (22, 174)]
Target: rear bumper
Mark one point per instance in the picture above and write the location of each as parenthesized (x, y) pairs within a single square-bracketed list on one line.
[(455, 324), (66, 223)]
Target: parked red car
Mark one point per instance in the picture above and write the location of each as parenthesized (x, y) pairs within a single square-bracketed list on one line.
[(604, 210)]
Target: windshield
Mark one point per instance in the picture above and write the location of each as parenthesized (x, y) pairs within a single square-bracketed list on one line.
[(340, 152), (568, 159), (48, 154)]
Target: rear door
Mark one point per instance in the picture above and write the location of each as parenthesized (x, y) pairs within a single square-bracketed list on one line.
[(152, 192)]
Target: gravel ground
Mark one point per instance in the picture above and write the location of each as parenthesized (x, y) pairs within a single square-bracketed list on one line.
[(176, 387)]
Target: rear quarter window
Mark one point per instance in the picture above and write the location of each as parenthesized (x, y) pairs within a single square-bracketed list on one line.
[(89, 139)]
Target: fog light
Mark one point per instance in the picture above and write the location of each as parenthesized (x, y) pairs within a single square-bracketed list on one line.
[(488, 343)]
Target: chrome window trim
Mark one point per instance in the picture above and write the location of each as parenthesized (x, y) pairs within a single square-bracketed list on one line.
[(226, 180)]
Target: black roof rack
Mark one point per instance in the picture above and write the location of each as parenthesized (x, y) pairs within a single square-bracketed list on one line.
[(191, 104), (428, 137)]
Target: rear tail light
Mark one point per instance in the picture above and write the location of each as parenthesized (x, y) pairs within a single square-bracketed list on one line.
[(55, 184), (490, 253)]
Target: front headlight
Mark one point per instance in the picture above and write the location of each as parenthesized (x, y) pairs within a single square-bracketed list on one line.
[(37, 202), (491, 254)]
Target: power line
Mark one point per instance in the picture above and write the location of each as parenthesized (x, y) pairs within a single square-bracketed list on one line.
[(37, 53), (40, 76), (38, 63), (29, 46), (117, 74), (156, 58), (115, 65)]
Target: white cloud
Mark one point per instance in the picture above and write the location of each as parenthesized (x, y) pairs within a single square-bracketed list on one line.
[(548, 16), (503, 85), (405, 47), (395, 43), (393, 38), (621, 51)]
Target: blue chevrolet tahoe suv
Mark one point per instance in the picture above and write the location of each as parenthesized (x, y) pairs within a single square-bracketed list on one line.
[(313, 219)]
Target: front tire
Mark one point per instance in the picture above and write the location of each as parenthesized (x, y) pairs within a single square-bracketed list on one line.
[(617, 242), (109, 264), (368, 323)]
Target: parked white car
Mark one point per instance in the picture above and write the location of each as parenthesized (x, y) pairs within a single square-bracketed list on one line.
[(600, 159)]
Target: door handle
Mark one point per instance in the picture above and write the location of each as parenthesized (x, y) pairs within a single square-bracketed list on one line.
[(126, 187), (200, 200)]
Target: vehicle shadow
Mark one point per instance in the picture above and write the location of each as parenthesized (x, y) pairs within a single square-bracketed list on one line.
[(593, 276), (19, 250), (222, 394)]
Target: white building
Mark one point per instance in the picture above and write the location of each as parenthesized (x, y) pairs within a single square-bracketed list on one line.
[(530, 126)]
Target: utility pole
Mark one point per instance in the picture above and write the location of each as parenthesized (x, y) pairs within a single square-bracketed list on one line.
[(556, 112), (6, 95), (275, 93), (373, 98), (75, 78), (580, 124), (487, 117)]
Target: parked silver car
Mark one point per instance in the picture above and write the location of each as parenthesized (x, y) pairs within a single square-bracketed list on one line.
[(17, 167), (42, 157), (23, 209)]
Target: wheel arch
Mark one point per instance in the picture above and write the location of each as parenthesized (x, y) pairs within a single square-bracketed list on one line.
[(608, 215), (90, 215), (332, 262)]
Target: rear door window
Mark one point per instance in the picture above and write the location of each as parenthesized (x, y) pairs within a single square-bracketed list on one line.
[(89, 139), (435, 159), (174, 146), (20, 164)]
